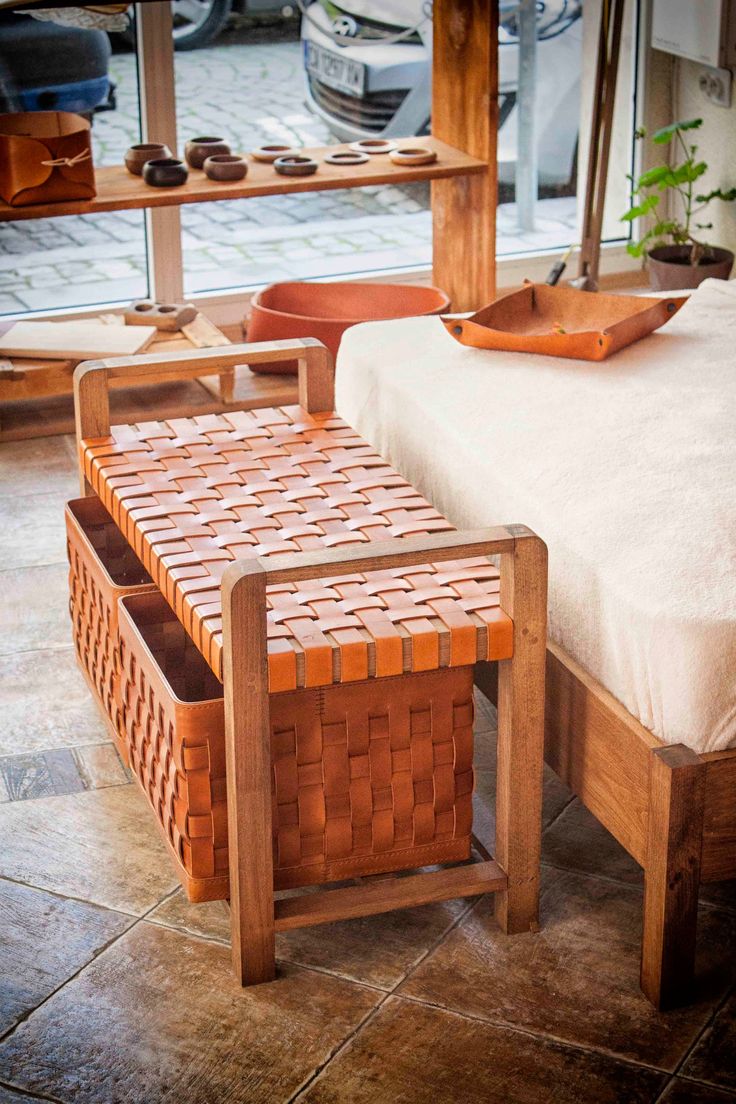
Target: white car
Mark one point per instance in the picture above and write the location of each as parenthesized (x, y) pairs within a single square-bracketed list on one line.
[(365, 87)]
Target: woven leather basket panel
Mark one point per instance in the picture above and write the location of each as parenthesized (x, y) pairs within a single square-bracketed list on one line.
[(102, 568), (193, 494), (365, 779)]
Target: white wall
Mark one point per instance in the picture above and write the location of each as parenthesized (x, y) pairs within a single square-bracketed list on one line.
[(717, 146)]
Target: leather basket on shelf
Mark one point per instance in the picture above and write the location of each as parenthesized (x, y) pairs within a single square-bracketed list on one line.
[(45, 157), (325, 311)]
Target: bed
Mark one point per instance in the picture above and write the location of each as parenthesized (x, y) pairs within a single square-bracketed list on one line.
[(627, 469)]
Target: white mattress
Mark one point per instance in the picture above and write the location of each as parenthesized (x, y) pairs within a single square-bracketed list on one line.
[(627, 469)]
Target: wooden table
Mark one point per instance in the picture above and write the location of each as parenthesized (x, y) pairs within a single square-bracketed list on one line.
[(36, 395)]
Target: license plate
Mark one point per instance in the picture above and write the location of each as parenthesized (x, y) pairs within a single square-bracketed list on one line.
[(337, 72)]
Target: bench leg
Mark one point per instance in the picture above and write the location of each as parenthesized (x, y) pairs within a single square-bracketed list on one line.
[(672, 874), (248, 762), (521, 736)]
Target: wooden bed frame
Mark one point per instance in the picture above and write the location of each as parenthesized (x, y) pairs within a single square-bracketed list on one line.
[(672, 809)]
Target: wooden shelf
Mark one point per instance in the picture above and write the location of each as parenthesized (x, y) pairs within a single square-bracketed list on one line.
[(117, 190)]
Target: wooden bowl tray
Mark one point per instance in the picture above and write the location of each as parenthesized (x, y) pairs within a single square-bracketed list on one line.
[(562, 322)]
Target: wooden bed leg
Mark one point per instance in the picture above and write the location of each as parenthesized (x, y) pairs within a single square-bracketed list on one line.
[(521, 735), (248, 761), (672, 874)]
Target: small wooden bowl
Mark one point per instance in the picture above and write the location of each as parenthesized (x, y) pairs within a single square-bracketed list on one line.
[(346, 157), (197, 150), (295, 166), (225, 166), (165, 172), (417, 155), (136, 156), (373, 146), (272, 153)]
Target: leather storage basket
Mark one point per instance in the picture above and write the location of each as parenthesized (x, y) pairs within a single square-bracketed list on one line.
[(102, 568), (367, 777), (45, 157)]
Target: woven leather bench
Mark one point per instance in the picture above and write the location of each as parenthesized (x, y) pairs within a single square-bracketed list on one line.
[(343, 617)]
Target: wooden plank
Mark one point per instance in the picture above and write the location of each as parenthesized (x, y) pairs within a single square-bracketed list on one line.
[(203, 334), (599, 750), (465, 113), (521, 734), (248, 761), (388, 894), (117, 190), (672, 874), (74, 340), (719, 827)]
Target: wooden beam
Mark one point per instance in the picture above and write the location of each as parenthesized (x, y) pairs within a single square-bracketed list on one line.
[(465, 114), (521, 733), (672, 874), (388, 894)]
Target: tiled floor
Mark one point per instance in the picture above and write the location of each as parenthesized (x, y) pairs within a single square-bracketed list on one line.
[(115, 990)]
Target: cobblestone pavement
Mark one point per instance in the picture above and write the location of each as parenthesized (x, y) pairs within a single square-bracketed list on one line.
[(252, 94)]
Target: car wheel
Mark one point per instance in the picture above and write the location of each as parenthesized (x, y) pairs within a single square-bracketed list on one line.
[(198, 22)]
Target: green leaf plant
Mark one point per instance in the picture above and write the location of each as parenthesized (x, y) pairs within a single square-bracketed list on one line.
[(677, 180)]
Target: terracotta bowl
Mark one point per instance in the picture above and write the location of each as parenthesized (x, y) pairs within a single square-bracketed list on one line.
[(136, 156), (197, 150), (225, 166), (325, 311)]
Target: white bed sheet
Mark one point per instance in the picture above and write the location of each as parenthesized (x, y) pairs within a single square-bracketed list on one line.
[(627, 469)]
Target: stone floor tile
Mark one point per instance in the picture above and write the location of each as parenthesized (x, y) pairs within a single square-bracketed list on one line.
[(714, 1058), (159, 1018), (682, 1091), (101, 845), (43, 774), (377, 950), (578, 978), (45, 464), (412, 1054), (577, 841), (10, 1096), (34, 612), (722, 894), (46, 702), (45, 940), (32, 529), (99, 766)]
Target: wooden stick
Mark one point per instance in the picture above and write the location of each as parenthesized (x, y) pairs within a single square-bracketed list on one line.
[(521, 733), (248, 762), (388, 894), (672, 874)]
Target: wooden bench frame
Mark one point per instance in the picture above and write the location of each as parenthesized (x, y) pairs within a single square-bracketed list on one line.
[(514, 874)]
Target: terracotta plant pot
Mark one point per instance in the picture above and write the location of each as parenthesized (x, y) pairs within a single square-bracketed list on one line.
[(136, 156), (670, 268), (325, 311), (197, 150)]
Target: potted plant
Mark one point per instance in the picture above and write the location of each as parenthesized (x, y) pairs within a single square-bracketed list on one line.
[(687, 260)]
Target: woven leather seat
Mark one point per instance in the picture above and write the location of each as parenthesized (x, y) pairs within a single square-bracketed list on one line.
[(193, 494)]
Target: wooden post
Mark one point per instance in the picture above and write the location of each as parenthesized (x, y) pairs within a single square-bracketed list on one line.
[(465, 115), (248, 762), (317, 380), (521, 733), (91, 409), (672, 874)]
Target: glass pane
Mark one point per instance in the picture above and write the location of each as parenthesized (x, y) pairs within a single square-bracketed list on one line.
[(72, 261), (248, 86)]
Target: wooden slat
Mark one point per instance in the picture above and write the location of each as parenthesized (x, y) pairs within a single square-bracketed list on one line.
[(719, 828), (599, 750), (672, 874), (371, 898), (117, 190)]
